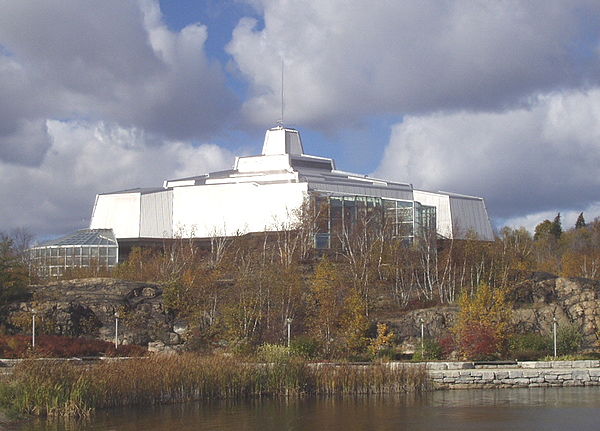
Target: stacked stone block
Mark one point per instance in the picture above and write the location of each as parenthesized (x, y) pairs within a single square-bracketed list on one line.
[(463, 375)]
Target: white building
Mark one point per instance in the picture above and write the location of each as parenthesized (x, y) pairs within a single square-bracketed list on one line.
[(265, 193)]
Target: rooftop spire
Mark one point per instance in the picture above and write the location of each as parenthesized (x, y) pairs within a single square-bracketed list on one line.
[(280, 121), (281, 140)]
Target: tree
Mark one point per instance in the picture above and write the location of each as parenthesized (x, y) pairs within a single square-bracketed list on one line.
[(580, 221), (543, 230), (483, 323), (548, 228), (14, 276), (327, 297), (382, 342), (556, 229)]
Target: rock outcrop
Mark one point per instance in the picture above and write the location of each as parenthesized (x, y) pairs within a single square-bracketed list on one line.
[(88, 307), (536, 301)]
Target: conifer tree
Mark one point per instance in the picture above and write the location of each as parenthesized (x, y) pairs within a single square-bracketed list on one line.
[(556, 228), (580, 221)]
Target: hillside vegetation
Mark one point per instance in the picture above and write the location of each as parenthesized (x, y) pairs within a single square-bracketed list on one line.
[(241, 291)]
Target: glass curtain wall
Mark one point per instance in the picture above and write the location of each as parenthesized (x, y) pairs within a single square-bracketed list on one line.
[(338, 216), (53, 260)]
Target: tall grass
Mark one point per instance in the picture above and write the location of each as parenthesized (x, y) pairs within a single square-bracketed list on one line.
[(50, 388)]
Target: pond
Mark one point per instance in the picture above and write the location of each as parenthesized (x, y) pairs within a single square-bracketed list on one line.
[(485, 409)]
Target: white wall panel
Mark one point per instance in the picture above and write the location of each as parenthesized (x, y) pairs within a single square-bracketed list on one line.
[(262, 163), (119, 212), (443, 214), (228, 209), (156, 219)]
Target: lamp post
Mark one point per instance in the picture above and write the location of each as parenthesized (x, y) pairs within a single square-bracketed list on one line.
[(288, 321), (116, 330), (33, 313), (554, 334), (422, 336)]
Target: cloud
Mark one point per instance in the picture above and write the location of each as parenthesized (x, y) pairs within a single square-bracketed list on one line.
[(86, 158), (344, 60), (114, 61), (523, 161)]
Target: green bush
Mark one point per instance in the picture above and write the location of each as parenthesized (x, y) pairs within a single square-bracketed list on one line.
[(242, 348), (305, 347), (273, 353), (569, 339), (529, 347), (432, 350)]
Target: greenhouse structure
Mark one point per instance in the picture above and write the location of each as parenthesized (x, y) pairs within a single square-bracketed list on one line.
[(84, 248)]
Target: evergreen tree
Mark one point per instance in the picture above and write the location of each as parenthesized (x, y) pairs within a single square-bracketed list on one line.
[(580, 221), (13, 274), (556, 228)]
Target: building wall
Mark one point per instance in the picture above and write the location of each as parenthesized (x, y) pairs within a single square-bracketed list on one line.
[(156, 219), (229, 209), (361, 190), (442, 207), (119, 212), (470, 215)]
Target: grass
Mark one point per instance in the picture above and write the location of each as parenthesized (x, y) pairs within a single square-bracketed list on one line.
[(62, 389)]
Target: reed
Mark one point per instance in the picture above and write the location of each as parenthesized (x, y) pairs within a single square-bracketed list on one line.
[(50, 388)]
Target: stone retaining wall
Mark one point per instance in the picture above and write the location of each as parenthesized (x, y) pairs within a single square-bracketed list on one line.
[(468, 375)]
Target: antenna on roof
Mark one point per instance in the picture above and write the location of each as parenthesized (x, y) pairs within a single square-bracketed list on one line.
[(280, 121)]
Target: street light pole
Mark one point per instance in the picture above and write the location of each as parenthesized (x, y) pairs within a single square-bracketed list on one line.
[(116, 330), (554, 334), (33, 312), (288, 321), (422, 336)]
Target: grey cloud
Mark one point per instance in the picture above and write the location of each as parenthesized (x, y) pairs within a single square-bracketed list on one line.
[(348, 59), (521, 160), (26, 143), (88, 158), (109, 60)]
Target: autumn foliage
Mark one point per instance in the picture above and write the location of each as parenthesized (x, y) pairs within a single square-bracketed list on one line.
[(53, 346), (240, 291), (483, 326)]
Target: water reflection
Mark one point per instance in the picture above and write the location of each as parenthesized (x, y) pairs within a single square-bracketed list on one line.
[(511, 409)]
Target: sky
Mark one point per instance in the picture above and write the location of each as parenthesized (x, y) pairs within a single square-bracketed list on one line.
[(498, 99)]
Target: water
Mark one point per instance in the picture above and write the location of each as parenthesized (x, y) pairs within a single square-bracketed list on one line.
[(504, 409)]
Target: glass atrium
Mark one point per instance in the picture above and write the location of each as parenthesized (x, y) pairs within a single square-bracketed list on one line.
[(83, 249), (339, 216)]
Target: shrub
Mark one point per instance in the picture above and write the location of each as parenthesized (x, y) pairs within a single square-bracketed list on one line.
[(381, 345), (275, 353), (483, 323), (305, 347), (54, 346), (432, 350), (569, 339), (529, 347), (480, 342), (201, 340), (448, 345)]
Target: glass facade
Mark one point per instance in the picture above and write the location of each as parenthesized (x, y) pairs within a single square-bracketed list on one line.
[(84, 249), (337, 216)]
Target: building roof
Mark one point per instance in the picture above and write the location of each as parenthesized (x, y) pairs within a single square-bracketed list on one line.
[(84, 237), (283, 161)]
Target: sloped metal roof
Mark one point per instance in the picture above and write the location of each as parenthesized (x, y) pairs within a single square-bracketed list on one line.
[(84, 237)]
